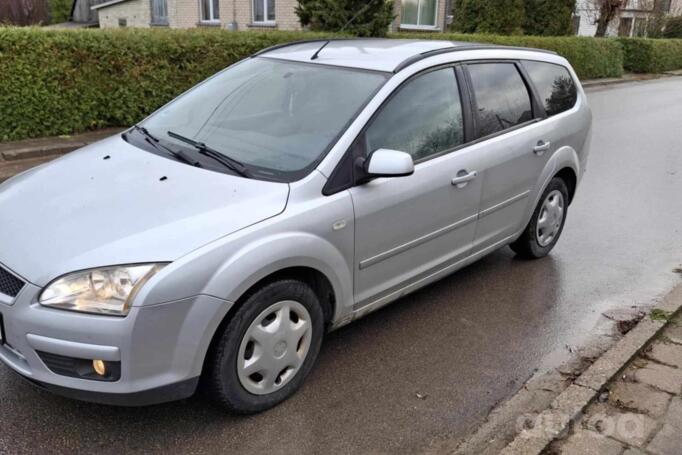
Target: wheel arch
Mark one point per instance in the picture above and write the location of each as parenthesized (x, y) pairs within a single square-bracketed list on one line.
[(311, 276), (568, 175), (564, 163)]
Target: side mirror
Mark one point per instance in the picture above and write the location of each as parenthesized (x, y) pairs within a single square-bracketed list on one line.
[(389, 163)]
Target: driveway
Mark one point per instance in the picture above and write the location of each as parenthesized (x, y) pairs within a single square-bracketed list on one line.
[(434, 363)]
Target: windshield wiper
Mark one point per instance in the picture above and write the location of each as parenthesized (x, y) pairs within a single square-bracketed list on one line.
[(154, 141), (230, 163)]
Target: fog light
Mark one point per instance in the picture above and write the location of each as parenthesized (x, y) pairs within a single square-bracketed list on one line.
[(99, 367)]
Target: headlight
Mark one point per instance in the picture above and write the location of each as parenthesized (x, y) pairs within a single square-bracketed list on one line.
[(106, 290)]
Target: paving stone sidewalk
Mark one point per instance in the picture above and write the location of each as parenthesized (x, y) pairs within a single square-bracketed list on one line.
[(641, 411)]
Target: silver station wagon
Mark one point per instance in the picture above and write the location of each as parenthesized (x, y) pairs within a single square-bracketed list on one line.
[(290, 194)]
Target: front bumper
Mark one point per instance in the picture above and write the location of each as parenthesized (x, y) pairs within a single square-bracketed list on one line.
[(160, 347), (170, 392)]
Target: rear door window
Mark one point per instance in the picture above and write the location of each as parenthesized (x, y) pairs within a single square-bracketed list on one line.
[(554, 84), (502, 99)]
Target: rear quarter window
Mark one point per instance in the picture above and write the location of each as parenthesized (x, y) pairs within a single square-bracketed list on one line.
[(554, 84)]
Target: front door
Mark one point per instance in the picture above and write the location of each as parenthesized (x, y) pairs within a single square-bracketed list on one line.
[(407, 228)]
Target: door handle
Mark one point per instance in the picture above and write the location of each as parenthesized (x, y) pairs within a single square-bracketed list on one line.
[(541, 148), (463, 178)]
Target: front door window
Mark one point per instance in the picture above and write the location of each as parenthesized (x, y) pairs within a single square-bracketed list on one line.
[(424, 118)]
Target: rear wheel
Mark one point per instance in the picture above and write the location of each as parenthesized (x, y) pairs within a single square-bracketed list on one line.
[(546, 224), (267, 349)]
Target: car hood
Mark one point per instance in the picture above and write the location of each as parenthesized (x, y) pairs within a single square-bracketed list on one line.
[(111, 203)]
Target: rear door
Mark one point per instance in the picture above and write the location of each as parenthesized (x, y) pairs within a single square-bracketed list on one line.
[(558, 95), (515, 144)]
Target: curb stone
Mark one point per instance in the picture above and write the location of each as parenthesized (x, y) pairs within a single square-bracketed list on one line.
[(627, 78), (571, 403)]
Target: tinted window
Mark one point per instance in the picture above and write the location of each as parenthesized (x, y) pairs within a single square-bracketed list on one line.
[(423, 119), (501, 97), (554, 85)]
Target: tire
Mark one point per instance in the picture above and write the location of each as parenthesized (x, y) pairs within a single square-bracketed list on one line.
[(534, 243), (247, 338)]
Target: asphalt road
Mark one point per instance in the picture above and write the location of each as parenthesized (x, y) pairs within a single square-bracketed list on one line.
[(462, 344)]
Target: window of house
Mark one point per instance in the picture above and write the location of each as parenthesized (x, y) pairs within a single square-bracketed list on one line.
[(423, 119), (159, 12), (419, 13), (502, 98), (554, 85), (264, 10), (210, 10)]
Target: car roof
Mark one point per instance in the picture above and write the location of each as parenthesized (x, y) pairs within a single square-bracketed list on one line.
[(389, 55)]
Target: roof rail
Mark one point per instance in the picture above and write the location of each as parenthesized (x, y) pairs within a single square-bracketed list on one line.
[(290, 43), (306, 41), (461, 47)]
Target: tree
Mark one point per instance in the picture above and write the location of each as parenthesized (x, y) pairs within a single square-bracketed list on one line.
[(673, 27), (59, 10), (549, 17), (504, 17), (358, 17), (607, 10), (23, 12)]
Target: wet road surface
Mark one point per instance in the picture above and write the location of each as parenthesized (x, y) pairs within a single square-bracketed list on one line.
[(462, 344)]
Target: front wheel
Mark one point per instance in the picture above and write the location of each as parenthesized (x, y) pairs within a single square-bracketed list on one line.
[(267, 349), (546, 224)]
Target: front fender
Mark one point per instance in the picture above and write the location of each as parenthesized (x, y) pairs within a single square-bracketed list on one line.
[(268, 255)]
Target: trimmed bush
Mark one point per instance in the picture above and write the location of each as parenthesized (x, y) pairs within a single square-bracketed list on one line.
[(64, 81), (652, 55), (489, 16), (549, 17), (590, 57)]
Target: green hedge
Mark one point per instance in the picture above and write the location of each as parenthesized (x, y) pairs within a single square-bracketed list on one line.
[(591, 57), (652, 55), (64, 81)]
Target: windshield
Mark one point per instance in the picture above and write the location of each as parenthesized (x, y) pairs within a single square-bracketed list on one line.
[(277, 118)]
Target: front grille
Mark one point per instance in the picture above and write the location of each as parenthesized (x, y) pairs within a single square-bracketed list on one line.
[(9, 284)]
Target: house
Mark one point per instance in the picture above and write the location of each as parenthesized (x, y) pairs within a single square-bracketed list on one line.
[(632, 20), (249, 14)]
